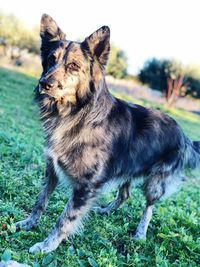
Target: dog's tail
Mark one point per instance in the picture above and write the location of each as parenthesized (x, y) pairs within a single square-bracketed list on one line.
[(192, 155)]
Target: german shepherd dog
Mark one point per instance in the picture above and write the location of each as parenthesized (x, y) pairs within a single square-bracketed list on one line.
[(93, 138)]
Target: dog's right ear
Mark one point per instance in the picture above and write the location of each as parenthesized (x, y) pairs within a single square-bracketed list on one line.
[(49, 30)]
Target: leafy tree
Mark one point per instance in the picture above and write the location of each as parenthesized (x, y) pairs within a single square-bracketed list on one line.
[(15, 34), (157, 74), (117, 64), (193, 86), (30, 40)]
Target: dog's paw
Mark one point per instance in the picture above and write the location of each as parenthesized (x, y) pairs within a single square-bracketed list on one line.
[(44, 247), (38, 247), (139, 236), (26, 224)]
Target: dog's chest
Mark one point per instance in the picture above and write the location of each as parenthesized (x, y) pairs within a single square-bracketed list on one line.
[(60, 172), (77, 156)]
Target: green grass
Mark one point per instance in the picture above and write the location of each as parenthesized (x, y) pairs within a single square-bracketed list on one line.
[(174, 232)]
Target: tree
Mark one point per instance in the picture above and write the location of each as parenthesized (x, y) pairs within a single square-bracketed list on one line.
[(156, 72), (175, 89), (117, 64), (167, 76), (15, 34), (193, 86)]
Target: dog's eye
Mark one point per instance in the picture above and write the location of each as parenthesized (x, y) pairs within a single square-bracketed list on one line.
[(72, 66)]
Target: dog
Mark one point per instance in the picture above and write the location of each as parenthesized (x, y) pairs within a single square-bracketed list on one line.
[(93, 138)]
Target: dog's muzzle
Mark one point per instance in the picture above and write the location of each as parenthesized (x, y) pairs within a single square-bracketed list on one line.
[(45, 85)]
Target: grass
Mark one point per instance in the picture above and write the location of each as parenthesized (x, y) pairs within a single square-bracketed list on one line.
[(173, 235)]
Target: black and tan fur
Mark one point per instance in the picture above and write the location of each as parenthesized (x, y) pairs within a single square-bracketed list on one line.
[(93, 138)]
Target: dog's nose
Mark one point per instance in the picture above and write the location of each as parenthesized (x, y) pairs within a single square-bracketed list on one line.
[(45, 84)]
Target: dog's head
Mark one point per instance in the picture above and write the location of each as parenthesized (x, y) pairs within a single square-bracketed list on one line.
[(71, 69)]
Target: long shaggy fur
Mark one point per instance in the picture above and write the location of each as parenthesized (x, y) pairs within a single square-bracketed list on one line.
[(93, 138)]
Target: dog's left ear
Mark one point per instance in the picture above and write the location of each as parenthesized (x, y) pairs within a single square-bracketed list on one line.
[(99, 44), (49, 30)]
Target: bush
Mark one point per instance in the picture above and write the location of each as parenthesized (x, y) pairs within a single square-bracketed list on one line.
[(117, 64), (156, 73), (15, 34), (193, 86)]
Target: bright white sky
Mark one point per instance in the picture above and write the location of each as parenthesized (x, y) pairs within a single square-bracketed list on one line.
[(143, 28)]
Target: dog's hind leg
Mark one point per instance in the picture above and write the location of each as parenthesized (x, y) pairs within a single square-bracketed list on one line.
[(42, 199), (144, 223), (122, 195), (70, 220), (154, 189)]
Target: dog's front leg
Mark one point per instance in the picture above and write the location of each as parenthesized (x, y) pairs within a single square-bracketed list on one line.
[(70, 220), (42, 199)]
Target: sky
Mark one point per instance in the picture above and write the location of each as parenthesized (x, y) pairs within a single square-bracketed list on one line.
[(142, 28)]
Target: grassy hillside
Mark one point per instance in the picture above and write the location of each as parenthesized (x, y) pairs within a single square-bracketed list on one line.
[(174, 233)]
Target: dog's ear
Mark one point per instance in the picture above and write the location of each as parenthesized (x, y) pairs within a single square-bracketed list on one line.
[(99, 44), (49, 30)]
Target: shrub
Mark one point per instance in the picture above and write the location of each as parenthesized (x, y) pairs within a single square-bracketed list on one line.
[(15, 34), (117, 64), (157, 73)]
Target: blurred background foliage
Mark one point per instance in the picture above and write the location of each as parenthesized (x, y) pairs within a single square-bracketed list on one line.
[(118, 63), (156, 73), (14, 34)]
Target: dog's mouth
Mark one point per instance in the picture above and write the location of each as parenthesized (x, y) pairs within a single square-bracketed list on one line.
[(49, 91), (56, 93), (41, 89)]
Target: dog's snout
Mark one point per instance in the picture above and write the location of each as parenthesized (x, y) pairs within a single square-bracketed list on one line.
[(45, 84)]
